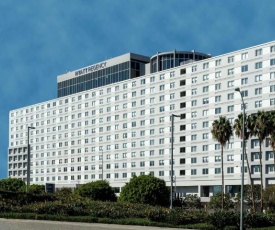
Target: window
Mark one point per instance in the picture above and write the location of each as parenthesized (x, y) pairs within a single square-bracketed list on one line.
[(194, 114), (205, 148), (272, 49), (230, 169), (193, 137), (230, 59), (244, 81), (172, 85), (258, 65), (194, 103), (272, 101), (205, 65), (193, 160), (205, 136), (194, 91), (230, 83), (218, 74), (205, 89), (194, 80), (230, 157), (205, 124), (245, 93), (193, 171), (258, 104), (205, 112), (205, 159), (205, 100), (258, 78), (194, 68), (218, 62), (217, 158), (218, 110), (218, 98), (193, 148), (230, 71), (244, 68), (244, 56), (258, 91), (217, 170), (272, 88), (272, 61), (230, 108), (218, 86), (205, 171), (230, 96), (258, 52)]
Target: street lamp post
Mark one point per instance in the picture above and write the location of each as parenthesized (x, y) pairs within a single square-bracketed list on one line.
[(28, 160), (102, 163), (172, 159), (243, 146)]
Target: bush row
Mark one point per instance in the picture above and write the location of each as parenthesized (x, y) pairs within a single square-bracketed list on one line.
[(111, 212)]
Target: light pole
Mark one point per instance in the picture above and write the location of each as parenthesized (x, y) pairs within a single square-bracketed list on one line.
[(243, 146), (172, 159), (102, 163), (28, 160)]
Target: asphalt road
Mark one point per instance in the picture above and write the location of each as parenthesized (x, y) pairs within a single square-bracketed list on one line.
[(12, 224)]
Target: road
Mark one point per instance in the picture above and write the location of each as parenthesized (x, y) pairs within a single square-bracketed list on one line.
[(15, 224)]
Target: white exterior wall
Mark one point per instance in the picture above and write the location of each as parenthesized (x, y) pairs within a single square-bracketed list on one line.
[(71, 136)]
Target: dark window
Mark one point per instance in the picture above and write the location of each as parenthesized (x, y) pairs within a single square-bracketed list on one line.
[(183, 105), (182, 127), (183, 93), (183, 71), (182, 82), (182, 172), (183, 116), (182, 161), (182, 138), (182, 149)]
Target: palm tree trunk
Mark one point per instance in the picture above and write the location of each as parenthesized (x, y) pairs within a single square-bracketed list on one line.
[(222, 180), (261, 173), (251, 182)]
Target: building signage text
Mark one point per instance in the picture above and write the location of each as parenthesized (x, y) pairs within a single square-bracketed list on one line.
[(90, 69)]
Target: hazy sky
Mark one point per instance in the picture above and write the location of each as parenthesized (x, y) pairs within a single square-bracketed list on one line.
[(40, 39)]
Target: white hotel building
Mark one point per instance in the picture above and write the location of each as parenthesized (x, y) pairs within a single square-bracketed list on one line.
[(114, 118)]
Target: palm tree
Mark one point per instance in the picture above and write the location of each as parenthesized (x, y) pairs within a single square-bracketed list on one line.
[(259, 125), (271, 125), (221, 132), (238, 127)]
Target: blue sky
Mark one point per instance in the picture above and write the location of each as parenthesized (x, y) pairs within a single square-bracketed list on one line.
[(42, 39)]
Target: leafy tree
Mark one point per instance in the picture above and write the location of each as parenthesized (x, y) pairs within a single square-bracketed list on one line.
[(269, 197), (215, 202), (221, 132), (146, 189), (248, 199), (97, 190), (11, 184), (260, 128), (34, 189), (192, 201), (238, 127), (66, 195)]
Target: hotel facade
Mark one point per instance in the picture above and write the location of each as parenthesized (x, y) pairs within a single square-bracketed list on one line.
[(112, 121)]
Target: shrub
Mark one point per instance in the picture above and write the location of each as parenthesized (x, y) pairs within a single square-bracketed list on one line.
[(192, 201), (221, 219), (98, 190), (215, 201), (146, 189)]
